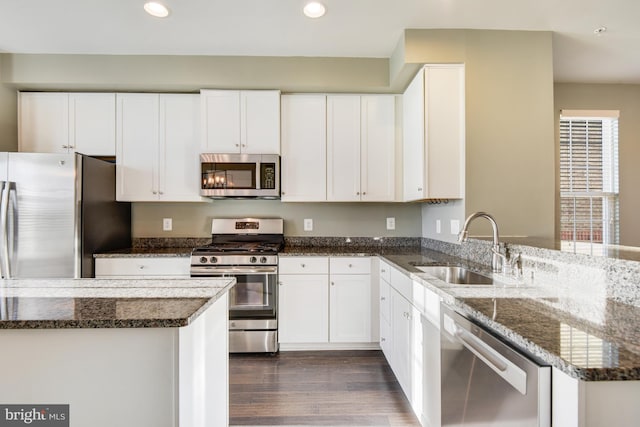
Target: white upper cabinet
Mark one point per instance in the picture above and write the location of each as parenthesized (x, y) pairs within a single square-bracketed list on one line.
[(360, 148), (54, 122), (235, 121), (304, 155), (343, 148), (377, 148), (93, 123), (157, 147), (434, 133)]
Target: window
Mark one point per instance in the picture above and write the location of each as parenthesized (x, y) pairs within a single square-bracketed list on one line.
[(588, 180)]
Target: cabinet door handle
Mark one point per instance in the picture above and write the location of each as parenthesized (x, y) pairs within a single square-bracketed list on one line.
[(280, 283), (283, 193), (333, 284), (383, 271), (419, 188), (154, 192), (65, 146), (357, 193), (383, 339), (244, 145), (383, 299), (237, 145), (350, 265)]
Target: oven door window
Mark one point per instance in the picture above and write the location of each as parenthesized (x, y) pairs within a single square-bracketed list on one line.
[(253, 296)]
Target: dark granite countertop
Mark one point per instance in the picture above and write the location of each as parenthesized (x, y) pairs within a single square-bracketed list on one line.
[(106, 303), (589, 338), (146, 253)]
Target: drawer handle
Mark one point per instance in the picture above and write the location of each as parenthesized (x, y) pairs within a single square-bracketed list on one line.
[(141, 267), (302, 265), (350, 265)]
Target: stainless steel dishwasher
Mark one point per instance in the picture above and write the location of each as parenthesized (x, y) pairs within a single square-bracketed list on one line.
[(485, 382)]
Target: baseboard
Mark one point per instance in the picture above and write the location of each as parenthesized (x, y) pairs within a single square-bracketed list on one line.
[(329, 346)]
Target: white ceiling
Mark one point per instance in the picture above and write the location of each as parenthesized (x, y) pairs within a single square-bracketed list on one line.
[(351, 28)]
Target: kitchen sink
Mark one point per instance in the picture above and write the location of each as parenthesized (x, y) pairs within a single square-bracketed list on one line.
[(455, 275)]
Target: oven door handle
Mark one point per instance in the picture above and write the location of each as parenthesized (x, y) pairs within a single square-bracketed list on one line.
[(232, 271)]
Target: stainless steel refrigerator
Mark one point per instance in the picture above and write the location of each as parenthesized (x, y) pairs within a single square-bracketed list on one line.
[(56, 211)]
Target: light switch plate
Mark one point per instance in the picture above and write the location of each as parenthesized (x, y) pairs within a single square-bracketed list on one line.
[(438, 226), (308, 224), (167, 224), (391, 223)]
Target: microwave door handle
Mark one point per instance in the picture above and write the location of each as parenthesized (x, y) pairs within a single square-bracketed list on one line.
[(258, 176), (11, 233)]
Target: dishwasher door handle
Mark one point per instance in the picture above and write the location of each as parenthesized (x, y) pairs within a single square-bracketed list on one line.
[(478, 349)]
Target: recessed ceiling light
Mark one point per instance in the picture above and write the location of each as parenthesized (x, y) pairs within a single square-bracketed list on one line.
[(156, 9), (599, 30), (314, 9)]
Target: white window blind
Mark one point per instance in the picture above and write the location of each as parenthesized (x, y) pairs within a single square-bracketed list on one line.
[(588, 180)]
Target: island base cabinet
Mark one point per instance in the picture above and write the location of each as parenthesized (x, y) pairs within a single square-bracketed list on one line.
[(576, 403), (126, 377)]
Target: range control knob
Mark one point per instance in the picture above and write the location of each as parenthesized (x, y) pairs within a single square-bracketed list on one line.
[(213, 259), (203, 260), (253, 260), (263, 259)]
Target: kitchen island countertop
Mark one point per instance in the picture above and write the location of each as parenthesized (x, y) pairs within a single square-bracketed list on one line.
[(106, 303)]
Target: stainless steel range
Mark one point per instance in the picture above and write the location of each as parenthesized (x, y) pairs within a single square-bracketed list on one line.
[(247, 249)]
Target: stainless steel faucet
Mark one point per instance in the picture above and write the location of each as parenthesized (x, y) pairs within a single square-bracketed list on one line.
[(498, 259)]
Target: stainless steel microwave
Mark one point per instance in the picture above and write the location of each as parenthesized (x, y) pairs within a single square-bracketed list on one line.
[(240, 176)]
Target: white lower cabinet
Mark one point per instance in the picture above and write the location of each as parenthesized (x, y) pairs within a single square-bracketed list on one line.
[(576, 403), (326, 303), (142, 267), (410, 340), (303, 303)]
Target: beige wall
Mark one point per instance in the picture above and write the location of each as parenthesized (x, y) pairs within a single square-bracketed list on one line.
[(8, 115), (625, 98), (329, 219), (510, 170)]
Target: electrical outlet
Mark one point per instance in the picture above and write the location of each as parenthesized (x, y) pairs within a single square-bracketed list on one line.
[(391, 223), (455, 227), (438, 226), (167, 224), (308, 224)]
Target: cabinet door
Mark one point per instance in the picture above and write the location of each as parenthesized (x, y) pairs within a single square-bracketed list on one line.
[(377, 148), (92, 122), (444, 139), (401, 332), (303, 304), (260, 122), (413, 139), (350, 308), (386, 340), (220, 121), (44, 122), (179, 170), (303, 163), (137, 147), (343, 148)]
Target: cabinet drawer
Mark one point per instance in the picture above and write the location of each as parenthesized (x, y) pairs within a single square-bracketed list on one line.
[(385, 271), (303, 265), (350, 265), (163, 266), (402, 284)]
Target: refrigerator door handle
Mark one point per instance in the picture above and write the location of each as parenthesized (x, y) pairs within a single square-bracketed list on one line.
[(4, 235)]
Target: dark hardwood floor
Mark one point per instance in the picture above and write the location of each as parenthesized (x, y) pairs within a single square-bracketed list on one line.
[(337, 388)]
